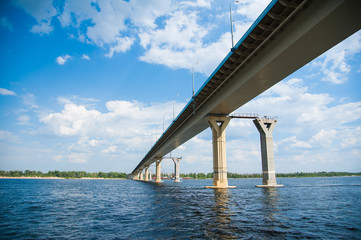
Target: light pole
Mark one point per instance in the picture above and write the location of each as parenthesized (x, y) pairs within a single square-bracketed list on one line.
[(230, 15)]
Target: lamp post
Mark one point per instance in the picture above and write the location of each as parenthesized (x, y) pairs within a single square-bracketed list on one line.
[(230, 15)]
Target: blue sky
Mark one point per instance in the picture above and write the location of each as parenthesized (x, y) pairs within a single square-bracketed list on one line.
[(87, 85)]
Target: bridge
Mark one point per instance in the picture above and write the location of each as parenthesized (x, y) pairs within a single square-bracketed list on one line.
[(285, 37)]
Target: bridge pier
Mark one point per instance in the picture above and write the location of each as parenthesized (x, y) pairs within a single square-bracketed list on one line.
[(141, 175), (218, 126), (176, 169), (136, 177), (265, 128), (158, 170), (146, 174)]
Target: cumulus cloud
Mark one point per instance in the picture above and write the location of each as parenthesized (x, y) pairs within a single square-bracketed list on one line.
[(334, 63), (120, 45), (126, 128), (107, 21), (250, 8), (43, 11), (71, 121), (6, 92), (61, 60), (85, 57), (176, 34)]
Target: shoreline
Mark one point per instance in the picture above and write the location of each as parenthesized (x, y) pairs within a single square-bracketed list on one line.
[(85, 178), (88, 178)]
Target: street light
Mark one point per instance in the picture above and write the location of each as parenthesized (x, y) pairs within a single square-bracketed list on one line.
[(230, 15)]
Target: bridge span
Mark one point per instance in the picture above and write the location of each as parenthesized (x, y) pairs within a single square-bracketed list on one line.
[(285, 37)]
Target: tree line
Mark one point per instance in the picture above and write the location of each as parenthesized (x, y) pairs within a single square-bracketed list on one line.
[(83, 174), (62, 174), (259, 175)]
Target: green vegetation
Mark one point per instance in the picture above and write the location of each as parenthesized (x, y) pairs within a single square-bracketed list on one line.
[(286, 175), (64, 174), (82, 174)]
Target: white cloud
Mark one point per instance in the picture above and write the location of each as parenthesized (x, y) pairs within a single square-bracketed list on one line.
[(29, 101), (42, 28), (78, 158), (126, 128), (9, 136), (85, 57), (121, 45), (176, 34), (93, 142), (110, 149), (61, 60), (71, 121), (292, 142), (23, 119), (58, 158), (106, 22), (198, 3), (251, 8), (4, 91), (324, 137), (43, 11), (333, 63)]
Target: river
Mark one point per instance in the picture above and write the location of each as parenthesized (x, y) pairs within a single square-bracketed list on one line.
[(305, 208)]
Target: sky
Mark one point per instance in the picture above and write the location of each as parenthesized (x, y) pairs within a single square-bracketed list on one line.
[(90, 85)]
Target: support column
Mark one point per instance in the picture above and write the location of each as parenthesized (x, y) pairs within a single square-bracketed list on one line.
[(265, 128), (146, 174), (136, 177), (176, 169), (150, 175), (141, 175), (158, 170), (218, 126)]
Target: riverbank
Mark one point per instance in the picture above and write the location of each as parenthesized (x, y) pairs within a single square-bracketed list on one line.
[(85, 178)]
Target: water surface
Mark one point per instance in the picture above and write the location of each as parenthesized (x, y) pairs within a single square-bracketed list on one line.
[(313, 208)]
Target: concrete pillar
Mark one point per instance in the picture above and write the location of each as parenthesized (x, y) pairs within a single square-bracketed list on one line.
[(136, 177), (218, 126), (265, 128), (146, 174), (176, 169), (158, 170), (150, 175), (141, 175)]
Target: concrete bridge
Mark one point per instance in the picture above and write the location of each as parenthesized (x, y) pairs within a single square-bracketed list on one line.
[(285, 37)]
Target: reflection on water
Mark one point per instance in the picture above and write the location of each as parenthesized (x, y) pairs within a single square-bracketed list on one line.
[(270, 203), (221, 222)]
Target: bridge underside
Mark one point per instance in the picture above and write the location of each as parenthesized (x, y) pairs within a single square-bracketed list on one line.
[(287, 36)]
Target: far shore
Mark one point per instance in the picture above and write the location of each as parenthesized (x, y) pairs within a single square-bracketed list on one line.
[(85, 178)]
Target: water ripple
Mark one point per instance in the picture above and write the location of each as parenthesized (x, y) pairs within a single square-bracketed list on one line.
[(314, 208)]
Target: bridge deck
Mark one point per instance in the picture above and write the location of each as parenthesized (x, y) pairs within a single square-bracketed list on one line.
[(286, 36)]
